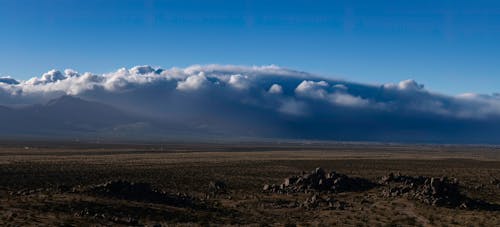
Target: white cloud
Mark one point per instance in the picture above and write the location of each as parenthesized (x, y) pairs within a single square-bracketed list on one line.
[(71, 73), (239, 81), (347, 100), (408, 85), (48, 77), (276, 89), (318, 90), (312, 89), (194, 82)]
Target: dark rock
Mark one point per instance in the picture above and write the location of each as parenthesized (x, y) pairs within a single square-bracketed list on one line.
[(289, 181), (495, 182), (132, 221), (479, 187), (266, 187), (430, 190), (63, 188), (320, 181), (318, 201), (138, 192), (217, 187)]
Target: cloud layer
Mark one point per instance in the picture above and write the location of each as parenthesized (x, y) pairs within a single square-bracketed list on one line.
[(251, 100)]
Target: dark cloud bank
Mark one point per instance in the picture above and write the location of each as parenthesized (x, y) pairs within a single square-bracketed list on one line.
[(235, 102)]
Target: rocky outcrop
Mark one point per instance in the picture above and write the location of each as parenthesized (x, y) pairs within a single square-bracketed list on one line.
[(320, 181), (442, 191), (434, 191)]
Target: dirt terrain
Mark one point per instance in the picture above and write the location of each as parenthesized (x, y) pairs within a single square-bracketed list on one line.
[(267, 184)]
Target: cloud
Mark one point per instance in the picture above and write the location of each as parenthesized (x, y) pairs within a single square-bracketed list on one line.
[(406, 85), (275, 89), (71, 73), (347, 99), (239, 81), (255, 99), (48, 77), (336, 94), (476, 105), (312, 89), (194, 82)]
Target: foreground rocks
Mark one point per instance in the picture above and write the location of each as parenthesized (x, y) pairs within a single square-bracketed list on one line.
[(443, 191), (328, 202), (434, 191), (320, 181)]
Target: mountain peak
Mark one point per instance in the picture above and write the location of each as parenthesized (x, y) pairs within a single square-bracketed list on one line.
[(8, 80), (65, 99)]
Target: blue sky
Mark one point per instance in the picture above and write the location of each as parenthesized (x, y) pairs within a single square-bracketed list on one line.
[(450, 46)]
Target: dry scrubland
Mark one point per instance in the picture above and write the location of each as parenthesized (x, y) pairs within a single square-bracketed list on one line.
[(199, 184)]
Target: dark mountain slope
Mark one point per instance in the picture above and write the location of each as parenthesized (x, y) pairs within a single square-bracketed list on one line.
[(60, 116)]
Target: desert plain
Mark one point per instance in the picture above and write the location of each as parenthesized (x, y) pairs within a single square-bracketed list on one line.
[(220, 184)]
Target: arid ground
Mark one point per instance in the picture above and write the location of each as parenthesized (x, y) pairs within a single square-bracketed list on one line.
[(78, 184)]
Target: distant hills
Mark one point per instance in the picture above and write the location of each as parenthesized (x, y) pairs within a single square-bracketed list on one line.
[(64, 116), (70, 118)]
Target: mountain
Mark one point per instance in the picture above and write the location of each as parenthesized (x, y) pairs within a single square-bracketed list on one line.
[(64, 116), (69, 117)]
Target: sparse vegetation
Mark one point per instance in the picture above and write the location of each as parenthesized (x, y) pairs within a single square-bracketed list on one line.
[(66, 186)]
